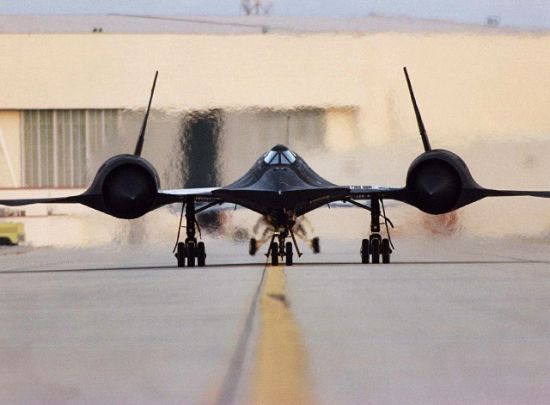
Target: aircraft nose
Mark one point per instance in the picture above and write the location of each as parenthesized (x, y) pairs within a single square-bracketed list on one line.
[(279, 148)]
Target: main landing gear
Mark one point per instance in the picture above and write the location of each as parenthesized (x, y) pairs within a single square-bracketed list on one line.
[(376, 247), (190, 252)]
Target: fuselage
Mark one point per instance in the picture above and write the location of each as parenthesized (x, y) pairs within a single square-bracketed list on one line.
[(281, 186)]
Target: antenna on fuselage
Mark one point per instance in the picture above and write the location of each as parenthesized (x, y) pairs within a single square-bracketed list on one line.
[(421, 128)]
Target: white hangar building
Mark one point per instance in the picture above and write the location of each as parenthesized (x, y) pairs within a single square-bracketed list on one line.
[(74, 88)]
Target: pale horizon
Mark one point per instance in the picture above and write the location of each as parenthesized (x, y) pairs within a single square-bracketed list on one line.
[(525, 14)]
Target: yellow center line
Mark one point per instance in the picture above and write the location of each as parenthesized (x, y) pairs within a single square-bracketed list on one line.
[(280, 375)]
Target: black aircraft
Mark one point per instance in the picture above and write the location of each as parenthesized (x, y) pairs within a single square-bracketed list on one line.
[(282, 187)]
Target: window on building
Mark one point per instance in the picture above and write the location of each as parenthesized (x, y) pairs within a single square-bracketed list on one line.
[(58, 143)]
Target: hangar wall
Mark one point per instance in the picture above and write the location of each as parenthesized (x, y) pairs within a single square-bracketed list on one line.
[(485, 89), (475, 85)]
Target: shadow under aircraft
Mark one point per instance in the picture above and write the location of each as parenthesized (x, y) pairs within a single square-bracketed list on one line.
[(282, 188)]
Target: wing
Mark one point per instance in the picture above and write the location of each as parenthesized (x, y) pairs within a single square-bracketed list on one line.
[(73, 199), (163, 197), (380, 192), (181, 194), (439, 201), (341, 196), (486, 192), (473, 194), (97, 200), (467, 195), (203, 194)]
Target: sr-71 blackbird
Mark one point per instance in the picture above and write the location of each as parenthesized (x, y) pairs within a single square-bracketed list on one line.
[(282, 187)]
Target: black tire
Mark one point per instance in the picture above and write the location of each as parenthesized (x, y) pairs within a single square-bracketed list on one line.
[(365, 251), (375, 250), (180, 254), (252, 247), (191, 254), (386, 251), (201, 254), (274, 253), (288, 254), (316, 245)]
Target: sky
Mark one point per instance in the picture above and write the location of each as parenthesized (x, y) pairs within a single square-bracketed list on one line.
[(519, 13)]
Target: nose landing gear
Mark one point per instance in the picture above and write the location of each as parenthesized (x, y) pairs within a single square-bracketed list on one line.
[(279, 250)]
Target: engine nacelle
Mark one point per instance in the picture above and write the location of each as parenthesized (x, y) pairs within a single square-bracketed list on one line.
[(436, 180), (126, 187)]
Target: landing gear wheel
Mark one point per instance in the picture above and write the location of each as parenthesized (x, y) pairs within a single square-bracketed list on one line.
[(365, 251), (201, 254), (386, 250), (180, 254), (315, 245), (274, 253), (191, 254), (252, 247), (375, 250), (288, 254)]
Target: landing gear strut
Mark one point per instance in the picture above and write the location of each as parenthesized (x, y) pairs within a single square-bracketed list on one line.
[(278, 249), (375, 246), (190, 251)]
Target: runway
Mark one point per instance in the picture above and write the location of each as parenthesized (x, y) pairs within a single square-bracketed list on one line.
[(451, 321)]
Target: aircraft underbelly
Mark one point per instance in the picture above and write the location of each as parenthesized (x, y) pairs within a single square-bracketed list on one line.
[(268, 200), (277, 188)]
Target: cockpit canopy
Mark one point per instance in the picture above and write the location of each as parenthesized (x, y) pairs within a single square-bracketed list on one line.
[(279, 155)]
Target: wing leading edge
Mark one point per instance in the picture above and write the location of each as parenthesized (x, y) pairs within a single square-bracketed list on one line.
[(96, 200), (419, 197), (73, 199)]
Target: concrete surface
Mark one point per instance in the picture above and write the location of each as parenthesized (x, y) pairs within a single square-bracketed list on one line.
[(452, 321)]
